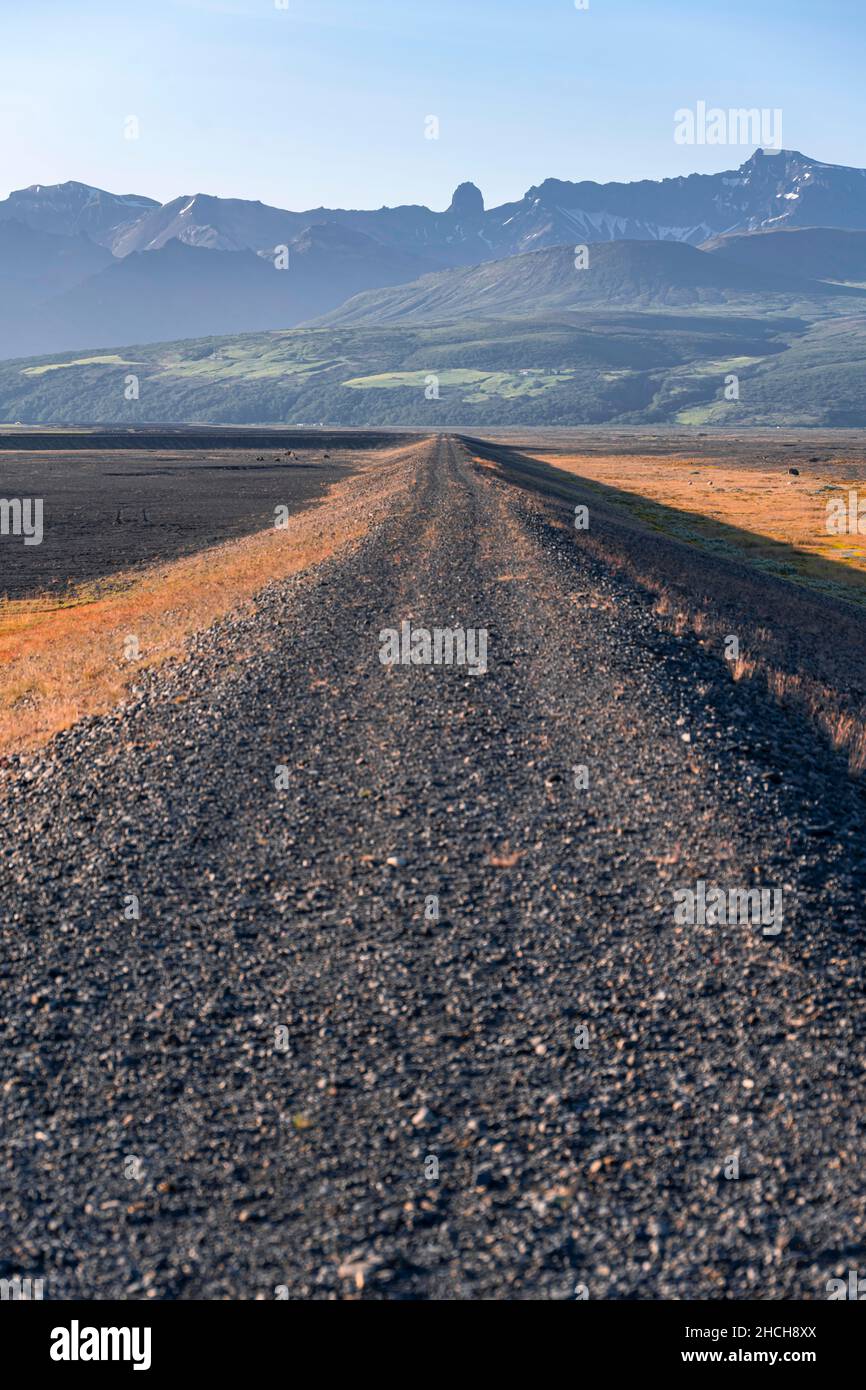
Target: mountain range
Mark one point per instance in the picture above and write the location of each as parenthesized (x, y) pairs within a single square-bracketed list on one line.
[(785, 188), (581, 301), (114, 274)]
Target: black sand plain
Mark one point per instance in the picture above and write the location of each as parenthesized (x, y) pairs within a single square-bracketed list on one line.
[(116, 500)]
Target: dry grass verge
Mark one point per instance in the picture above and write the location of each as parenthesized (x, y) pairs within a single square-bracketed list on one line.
[(60, 662), (802, 642), (773, 519)]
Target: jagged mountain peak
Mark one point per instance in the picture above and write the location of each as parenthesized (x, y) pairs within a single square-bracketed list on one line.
[(468, 201)]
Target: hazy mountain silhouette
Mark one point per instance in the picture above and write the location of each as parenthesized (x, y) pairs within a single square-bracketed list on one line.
[(753, 220)]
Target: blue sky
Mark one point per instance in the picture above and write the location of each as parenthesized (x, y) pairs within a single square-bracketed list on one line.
[(324, 102)]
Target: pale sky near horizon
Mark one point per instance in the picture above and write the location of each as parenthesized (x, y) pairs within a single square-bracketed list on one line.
[(324, 102)]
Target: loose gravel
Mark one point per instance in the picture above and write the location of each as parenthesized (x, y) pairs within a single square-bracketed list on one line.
[(288, 1076)]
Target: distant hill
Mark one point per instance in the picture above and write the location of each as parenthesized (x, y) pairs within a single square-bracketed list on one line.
[(587, 367), (182, 291), (187, 291), (35, 267), (823, 253), (627, 274)]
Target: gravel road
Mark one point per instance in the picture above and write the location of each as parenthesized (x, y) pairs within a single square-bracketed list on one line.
[(287, 1078)]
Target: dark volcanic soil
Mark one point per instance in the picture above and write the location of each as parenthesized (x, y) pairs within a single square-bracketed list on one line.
[(428, 1124), (115, 506)]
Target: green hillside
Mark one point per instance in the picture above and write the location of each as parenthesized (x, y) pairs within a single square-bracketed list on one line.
[(574, 368), (645, 275)]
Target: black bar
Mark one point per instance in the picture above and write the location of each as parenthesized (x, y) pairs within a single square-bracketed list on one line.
[(257, 1337)]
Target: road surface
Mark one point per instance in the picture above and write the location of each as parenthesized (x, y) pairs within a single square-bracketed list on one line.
[(287, 1076)]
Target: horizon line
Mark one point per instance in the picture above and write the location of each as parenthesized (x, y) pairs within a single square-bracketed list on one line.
[(624, 183)]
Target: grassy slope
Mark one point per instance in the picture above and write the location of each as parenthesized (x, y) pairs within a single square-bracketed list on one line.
[(648, 275), (589, 367)]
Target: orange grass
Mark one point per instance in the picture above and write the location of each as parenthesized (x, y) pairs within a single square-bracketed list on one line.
[(746, 506), (59, 663), (805, 647)]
